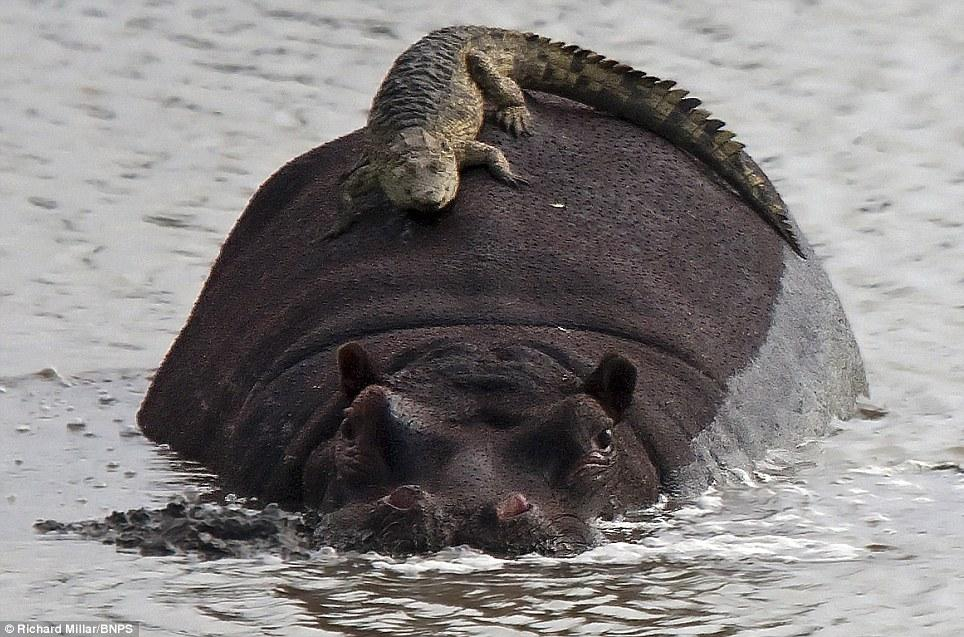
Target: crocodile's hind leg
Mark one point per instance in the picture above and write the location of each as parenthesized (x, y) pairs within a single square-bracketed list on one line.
[(362, 178), (510, 106), (475, 153)]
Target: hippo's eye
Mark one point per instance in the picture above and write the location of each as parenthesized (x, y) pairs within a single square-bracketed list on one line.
[(604, 440)]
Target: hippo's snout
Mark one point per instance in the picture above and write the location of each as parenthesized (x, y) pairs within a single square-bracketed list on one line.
[(410, 519), (515, 525)]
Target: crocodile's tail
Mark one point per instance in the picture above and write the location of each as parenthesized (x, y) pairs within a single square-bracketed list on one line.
[(590, 78)]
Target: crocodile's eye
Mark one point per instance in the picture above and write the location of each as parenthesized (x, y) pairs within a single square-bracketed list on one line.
[(604, 440)]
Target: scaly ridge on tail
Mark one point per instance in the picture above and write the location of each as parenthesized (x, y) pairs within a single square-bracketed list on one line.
[(588, 77)]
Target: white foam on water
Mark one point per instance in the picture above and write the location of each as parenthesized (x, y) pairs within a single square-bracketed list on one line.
[(456, 560), (721, 549)]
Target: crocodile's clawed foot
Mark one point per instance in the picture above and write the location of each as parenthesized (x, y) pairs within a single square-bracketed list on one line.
[(513, 180), (515, 119), (475, 153)]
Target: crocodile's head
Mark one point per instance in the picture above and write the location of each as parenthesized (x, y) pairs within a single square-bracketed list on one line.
[(423, 173), (500, 448)]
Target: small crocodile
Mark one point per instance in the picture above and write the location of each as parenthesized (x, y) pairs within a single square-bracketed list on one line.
[(428, 112)]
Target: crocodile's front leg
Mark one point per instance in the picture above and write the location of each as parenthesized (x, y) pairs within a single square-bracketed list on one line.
[(475, 153), (361, 179), (510, 106)]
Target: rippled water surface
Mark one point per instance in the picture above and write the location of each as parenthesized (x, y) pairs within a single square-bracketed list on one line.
[(134, 132)]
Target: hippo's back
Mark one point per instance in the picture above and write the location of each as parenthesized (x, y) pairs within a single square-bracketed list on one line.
[(621, 238)]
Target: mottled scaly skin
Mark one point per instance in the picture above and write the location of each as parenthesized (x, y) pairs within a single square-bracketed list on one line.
[(427, 114)]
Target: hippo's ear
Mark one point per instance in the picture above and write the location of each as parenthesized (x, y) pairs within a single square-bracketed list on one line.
[(356, 368), (612, 384)]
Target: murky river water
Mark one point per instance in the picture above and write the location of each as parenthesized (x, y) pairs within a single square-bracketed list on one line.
[(132, 134)]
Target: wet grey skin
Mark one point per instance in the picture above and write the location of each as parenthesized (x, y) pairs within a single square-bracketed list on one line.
[(426, 117), (496, 448)]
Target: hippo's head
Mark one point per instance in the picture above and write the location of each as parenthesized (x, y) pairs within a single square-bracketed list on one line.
[(502, 448)]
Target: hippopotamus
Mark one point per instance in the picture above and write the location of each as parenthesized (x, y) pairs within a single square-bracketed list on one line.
[(507, 372)]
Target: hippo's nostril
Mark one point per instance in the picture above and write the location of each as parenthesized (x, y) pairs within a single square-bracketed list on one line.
[(515, 504), (404, 498)]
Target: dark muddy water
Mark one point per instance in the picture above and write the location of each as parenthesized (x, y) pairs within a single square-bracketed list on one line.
[(134, 132)]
